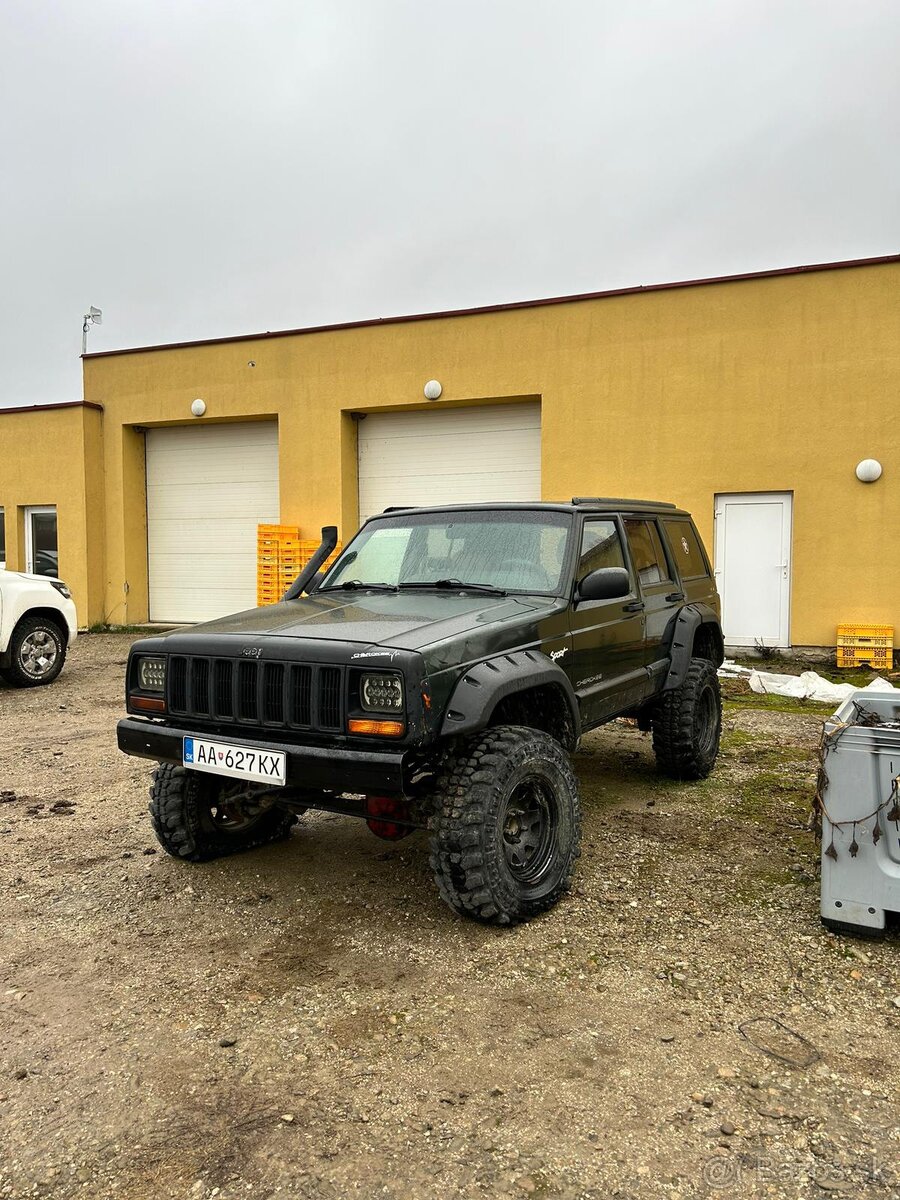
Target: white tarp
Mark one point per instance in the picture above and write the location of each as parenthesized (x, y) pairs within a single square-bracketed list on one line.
[(808, 686), (732, 670)]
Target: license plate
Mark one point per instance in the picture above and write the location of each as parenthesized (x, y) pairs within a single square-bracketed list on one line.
[(238, 762)]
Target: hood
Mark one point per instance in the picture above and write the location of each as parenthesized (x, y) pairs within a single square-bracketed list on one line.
[(399, 620), (49, 579)]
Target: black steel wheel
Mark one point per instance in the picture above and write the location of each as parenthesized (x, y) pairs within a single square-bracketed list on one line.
[(199, 817), (687, 724), (507, 829), (530, 821)]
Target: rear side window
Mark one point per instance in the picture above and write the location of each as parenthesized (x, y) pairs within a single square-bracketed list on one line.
[(686, 549), (647, 552)]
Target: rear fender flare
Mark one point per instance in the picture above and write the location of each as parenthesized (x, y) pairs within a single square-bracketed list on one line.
[(680, 640), (484, 685)]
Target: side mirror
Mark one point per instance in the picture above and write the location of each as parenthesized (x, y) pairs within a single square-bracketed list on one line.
[(608, 583)]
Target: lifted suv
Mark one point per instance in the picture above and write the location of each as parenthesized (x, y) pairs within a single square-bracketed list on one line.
[(438, 676)]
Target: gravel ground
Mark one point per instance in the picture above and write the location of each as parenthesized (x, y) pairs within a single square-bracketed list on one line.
[(310, 1021)]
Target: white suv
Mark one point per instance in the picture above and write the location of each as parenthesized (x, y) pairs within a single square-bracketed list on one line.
[(37, 626)]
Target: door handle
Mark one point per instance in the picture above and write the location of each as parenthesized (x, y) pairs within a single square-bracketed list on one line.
[(634, 606), (673, 596)]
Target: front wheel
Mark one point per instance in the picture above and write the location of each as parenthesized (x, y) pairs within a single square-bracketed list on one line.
[(37, 651), (508, 826), (687, 724), (198, 817)]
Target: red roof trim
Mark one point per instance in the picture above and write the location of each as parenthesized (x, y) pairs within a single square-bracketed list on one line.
[(509, 307), (25, 408)]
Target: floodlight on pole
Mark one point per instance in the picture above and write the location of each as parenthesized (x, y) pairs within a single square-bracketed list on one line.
[(93, 316)]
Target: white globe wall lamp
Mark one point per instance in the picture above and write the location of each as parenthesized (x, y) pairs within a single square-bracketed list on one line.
[(433, 390), (198, 407), (869, 470)]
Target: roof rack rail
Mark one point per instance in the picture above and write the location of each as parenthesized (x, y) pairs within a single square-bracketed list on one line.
[(399, 508), (618, 502)]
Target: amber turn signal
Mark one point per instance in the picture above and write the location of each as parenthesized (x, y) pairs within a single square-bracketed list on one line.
[(148, 703), (382, 728)]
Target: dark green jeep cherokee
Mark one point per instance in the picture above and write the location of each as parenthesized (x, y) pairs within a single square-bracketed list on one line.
[(438, 676)]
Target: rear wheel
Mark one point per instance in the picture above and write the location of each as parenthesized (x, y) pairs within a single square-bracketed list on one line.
[(37, 652), (508, 826), (199, 817), (687, 724)]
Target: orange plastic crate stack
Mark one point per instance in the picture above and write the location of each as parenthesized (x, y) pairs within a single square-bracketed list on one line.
[(277, 561), (281, 556)]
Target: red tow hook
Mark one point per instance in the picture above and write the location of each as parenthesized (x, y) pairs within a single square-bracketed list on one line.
[(379, 807)]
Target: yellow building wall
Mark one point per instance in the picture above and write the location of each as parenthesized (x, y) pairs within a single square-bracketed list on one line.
[(53, 456), (767, 384)]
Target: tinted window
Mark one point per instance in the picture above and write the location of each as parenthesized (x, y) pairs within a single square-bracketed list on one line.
[(647, 552), (686, 550), (600, 547)]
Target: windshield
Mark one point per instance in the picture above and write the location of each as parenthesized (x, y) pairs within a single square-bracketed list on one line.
[(512, 550)]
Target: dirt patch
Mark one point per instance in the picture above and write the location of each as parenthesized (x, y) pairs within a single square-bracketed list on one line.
[(375, 1044)]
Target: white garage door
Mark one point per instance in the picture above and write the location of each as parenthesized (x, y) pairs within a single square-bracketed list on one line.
[(449, 456), (208, 487)]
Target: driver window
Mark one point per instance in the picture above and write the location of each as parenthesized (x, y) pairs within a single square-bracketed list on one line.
[(600, 547)]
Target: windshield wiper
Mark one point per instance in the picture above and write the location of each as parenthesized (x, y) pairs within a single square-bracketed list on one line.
[(456, 585), (356, 585)]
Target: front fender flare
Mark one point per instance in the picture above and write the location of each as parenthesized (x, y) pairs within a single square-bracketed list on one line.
[(483, 685)]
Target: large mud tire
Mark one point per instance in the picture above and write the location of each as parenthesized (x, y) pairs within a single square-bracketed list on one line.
[(507, 830), (188, 823), (687, 724)]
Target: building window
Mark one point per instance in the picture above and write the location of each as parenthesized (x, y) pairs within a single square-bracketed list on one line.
[(2, 540), (41, 545)]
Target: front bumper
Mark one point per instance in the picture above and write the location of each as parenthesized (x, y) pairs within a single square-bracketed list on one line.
[(320, 768)]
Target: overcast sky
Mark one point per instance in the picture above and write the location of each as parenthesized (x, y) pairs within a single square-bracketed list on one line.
[(200, 168)]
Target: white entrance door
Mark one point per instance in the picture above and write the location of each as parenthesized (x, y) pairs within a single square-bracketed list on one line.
[(449, 456), (753, 567), (208, 487)]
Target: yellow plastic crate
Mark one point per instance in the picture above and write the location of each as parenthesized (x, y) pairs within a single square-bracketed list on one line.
[(865, 635), (270, 553), (880, 658), (278, 530), (271, 578), (279, 568)]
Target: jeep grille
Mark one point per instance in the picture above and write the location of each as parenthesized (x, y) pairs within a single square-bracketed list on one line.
[(242, 692)]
